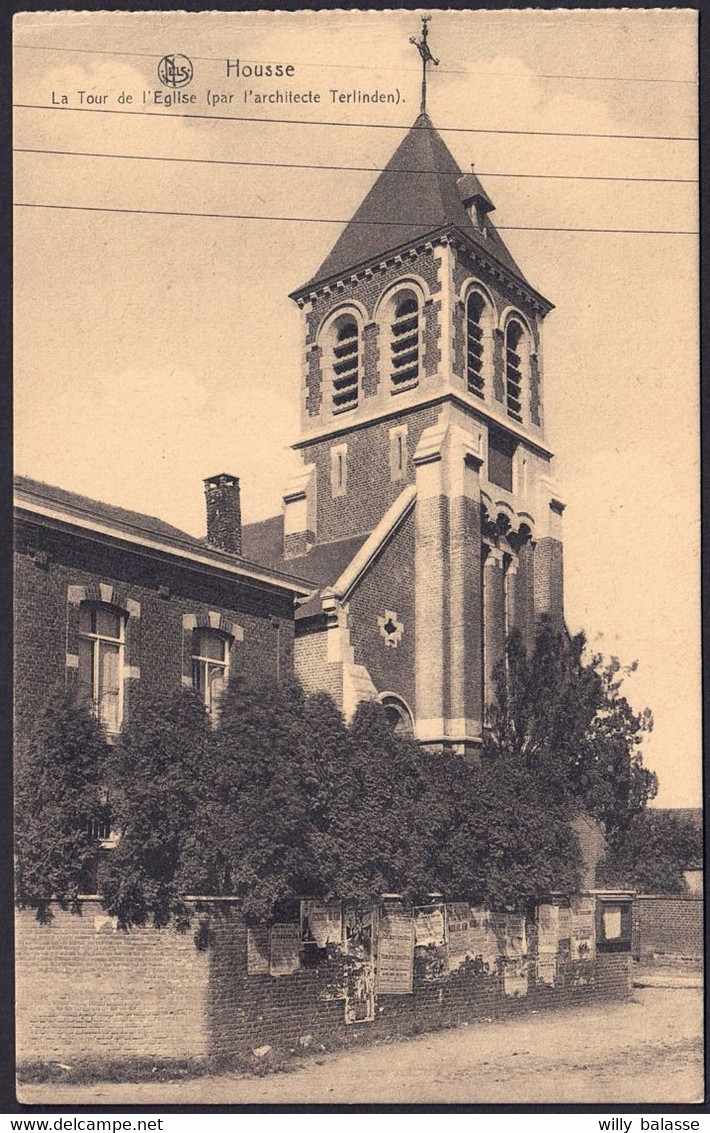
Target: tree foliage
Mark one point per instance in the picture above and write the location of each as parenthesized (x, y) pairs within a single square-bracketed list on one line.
[(281, 800), (504, 843), (58, 800), (270, 794), (651, 852), (562, 717), (161, 777), (386, 797)]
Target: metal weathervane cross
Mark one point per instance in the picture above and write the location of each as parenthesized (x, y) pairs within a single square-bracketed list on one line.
[(423, 48)]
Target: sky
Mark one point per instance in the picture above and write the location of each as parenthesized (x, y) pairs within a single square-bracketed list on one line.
[(152, 351)]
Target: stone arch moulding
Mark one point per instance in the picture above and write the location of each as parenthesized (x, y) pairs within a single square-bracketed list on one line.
[(398, 704), (472, 284), (345, 307), (410, 280), (511, 312), (519, 523), (213, 619)]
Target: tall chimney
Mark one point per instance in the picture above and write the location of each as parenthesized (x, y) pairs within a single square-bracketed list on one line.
[(224, 513)]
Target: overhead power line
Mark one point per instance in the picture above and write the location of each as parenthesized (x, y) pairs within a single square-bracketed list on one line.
[(364, 67), (344, 168), (332, 220), (352, 125)]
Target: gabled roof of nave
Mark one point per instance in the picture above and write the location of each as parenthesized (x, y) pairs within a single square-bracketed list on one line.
[(417, 193)]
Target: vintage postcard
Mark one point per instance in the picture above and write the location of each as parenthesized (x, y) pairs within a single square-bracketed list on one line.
[(357, 623)]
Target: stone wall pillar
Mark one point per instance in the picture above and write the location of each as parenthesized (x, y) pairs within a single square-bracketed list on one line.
[(510, 592), (431, 584), (299, 502), (493, 618), (448, 588), (524, 611), (548, 568), (464, 630)]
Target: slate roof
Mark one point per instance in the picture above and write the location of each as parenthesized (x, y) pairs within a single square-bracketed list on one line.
[(323, 564), (148, 524), (136, 523), (416, 194)]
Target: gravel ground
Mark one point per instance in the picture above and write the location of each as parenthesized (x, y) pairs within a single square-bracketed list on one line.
[(647, 1050)]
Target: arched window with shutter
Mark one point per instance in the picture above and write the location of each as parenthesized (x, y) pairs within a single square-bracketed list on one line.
[(404, 315), (344, 334), (517, 360), (476, 343)]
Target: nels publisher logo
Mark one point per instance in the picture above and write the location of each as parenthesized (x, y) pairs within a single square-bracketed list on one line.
[(175, 71)]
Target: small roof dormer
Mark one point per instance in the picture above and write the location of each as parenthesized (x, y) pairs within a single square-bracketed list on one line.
[(475, 200)]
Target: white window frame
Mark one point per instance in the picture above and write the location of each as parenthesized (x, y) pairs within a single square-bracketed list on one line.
[(207, 663), (96, 640)]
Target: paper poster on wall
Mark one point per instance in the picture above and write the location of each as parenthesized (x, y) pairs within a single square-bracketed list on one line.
[(482, 939), (546, 966), (360, 995), (458, 932), (359, 932), (548, 941), (582, 928), (509, 931), (322, 922), (565, 922), (395, 952), (258, 951), (429, 926), (515, 976), (548, 928), (516, 943), (285, 949)]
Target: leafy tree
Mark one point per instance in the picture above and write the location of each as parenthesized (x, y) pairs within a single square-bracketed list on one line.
[(271, 796), (161, 773), (562, 716), (651, 851), (326, 770), (386, 799), (58, 800), (502, 843)]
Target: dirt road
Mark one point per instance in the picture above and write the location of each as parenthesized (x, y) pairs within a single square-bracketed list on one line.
[(647, 1050)]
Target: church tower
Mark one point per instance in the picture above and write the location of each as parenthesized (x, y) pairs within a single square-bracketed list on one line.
[(424, 456)]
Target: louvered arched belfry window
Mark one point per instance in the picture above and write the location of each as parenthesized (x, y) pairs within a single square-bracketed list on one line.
[(404, 339), (479, 342), (517, 363), (345, 362)]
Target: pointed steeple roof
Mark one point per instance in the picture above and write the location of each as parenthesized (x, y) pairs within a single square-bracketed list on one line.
[(420, 190)]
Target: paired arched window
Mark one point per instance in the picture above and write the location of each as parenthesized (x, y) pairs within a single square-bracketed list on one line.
[(345, 362), (101, 660), (210, 666), (517, 358), (476, 342), (404, 315)]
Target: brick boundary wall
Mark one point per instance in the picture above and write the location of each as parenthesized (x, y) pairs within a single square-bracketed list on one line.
[(668, 926), (88, 990)]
